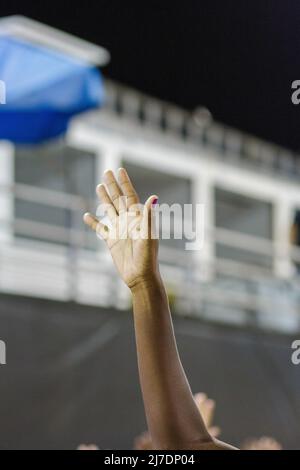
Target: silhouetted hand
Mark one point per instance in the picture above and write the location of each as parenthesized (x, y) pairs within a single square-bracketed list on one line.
[(87, 447), (262, 443)]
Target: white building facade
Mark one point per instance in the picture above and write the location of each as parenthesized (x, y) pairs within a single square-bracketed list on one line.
[(246, 271)]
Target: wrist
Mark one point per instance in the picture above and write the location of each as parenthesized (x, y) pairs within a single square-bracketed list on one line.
[(149, 297), (146, 283)]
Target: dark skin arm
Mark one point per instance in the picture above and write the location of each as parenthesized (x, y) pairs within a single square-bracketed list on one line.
[(173, 417)]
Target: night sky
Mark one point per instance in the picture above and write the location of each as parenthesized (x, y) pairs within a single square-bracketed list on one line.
[(236, 57)]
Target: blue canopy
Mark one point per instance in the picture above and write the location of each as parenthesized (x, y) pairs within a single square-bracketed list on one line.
[(44, 89)]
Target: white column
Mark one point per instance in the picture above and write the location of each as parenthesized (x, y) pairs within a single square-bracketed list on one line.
[(108, 158), (283, 219), (6, 194), (203, 193)]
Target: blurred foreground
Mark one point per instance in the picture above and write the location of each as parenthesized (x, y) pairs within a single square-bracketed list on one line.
[(72, 377)]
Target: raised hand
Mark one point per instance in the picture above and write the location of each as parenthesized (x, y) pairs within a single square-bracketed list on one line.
[(173, 417), (262, 443), (87, 447), (207, 408), (130, 234)]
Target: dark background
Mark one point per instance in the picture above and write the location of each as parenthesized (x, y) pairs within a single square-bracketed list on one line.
[(237, 57), (72, 378)]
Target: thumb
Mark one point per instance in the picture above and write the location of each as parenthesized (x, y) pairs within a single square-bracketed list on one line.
[(148, 221)]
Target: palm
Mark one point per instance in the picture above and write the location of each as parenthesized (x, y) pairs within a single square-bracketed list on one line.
[(133, 251), (125, 254)]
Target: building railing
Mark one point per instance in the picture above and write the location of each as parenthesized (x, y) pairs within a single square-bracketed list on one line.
[(228, 142), (45, 260)]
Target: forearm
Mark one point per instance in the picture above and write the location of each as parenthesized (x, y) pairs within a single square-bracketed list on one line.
[(173, 417)]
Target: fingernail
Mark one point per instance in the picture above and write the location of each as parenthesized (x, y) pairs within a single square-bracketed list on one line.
[(154, 202)]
